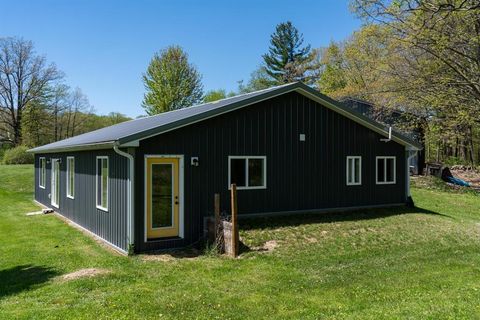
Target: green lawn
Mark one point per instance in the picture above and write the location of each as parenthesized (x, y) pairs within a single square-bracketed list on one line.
[(389, 263)]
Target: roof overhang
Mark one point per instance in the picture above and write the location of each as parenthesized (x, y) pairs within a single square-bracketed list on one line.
[(83, 147)]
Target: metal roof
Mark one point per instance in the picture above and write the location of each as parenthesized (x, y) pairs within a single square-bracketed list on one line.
[(133, 130)]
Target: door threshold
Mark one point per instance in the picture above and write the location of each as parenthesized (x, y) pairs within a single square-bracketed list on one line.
[(164, 239)]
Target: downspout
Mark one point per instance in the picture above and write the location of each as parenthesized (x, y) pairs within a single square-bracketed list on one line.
[(130, 198), (409, 199)]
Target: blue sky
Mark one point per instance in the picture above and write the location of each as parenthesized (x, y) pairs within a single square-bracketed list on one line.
[(104, 46)]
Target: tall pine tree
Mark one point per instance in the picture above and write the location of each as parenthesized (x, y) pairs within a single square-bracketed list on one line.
[(287, 59)]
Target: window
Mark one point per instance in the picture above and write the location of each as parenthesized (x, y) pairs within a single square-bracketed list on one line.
[(102, 183), (42, 172), (386, 170), (247, 172), (354, 171), (70, 177)]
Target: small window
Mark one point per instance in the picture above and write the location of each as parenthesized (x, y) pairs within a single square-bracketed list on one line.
[(102, 183), (247, 172), (70, 177), (354, 171), (42, 171), (386, 170)]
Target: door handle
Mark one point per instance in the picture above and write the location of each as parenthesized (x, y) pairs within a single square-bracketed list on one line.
[(176, 202)]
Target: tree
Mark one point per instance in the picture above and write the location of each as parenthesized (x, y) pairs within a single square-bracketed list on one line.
[(287, 59), (259, 80), (214, 95), (434, 65), (24, 77), (171, 82)]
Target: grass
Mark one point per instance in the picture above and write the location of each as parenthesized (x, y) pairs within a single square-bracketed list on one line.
[(419, 262)]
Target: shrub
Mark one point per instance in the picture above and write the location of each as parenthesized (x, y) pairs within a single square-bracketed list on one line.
[(18, 155)]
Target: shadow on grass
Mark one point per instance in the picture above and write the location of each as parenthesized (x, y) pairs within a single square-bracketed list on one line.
[(23, 277), (293, 220)]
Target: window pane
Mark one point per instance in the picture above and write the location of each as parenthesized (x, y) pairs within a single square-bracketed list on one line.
[(104, 183), (357, 170), (381, 170), (99, 184), (350, 170), (162, 195), (237, 172), (255, 172), (71, 176), (57, 181), (390, 170), (43, 171)]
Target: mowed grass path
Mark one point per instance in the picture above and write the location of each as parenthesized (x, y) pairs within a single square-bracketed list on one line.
[(390, 263)]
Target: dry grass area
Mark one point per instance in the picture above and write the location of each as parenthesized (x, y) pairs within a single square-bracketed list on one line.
[(84, 273)]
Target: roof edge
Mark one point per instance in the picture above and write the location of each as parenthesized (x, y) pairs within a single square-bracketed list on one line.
[(82, 147)]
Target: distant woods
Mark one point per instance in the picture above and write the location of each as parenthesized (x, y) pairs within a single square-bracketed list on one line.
[(36, 106)]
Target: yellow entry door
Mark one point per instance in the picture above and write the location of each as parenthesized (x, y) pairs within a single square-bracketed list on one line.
[(162, 197)]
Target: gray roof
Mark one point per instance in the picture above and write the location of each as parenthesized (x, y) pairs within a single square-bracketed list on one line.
[(132, 130)]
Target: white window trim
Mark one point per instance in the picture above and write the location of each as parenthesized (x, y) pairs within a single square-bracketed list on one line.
[(42, 172), (52, 174), (264, 158), (96, 182), (68, 188), (384, 158), (359, 183)]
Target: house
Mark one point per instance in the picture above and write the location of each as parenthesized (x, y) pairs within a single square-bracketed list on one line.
[(148, 183), (394, 118)]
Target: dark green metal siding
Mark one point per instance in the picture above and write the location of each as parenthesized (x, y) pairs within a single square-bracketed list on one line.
[(111, 225), (300, 175)]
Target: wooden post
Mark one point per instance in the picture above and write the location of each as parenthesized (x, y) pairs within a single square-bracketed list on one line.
[(217, 216), (235, 236)]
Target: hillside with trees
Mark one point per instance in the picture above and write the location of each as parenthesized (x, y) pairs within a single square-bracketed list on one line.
[(36, 106)]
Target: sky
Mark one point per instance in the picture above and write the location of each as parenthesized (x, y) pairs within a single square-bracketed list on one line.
[(103, 47)]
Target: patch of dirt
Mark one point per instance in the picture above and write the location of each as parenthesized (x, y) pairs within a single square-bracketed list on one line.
[(85, 273), (163, 256), (270, 245), (34, 213), (311, 240)]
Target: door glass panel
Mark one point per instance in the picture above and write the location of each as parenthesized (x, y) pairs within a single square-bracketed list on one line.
[(162, 195)]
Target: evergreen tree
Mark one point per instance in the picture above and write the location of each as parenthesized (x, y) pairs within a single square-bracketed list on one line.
[(171, 82), (287, 59)]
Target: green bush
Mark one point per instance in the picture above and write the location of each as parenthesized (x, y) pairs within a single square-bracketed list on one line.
[(18, 155)]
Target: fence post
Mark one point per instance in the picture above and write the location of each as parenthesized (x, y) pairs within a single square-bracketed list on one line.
[(235, 236), (217, 215)]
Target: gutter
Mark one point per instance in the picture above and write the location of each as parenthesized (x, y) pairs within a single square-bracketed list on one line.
[(130, 198), (408, 194)]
